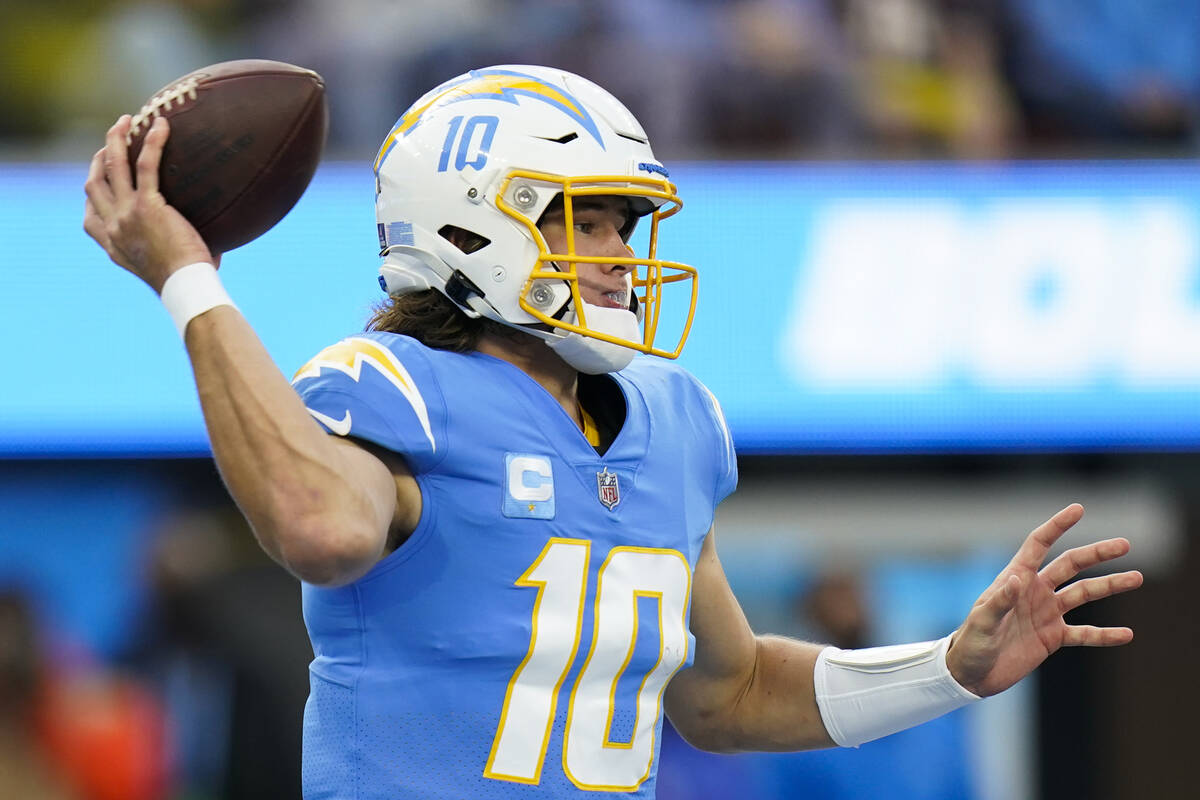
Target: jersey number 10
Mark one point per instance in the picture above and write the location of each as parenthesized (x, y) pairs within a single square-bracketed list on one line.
[(591, 760)]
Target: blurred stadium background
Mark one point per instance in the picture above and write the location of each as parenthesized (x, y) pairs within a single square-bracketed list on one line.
[(950, 282)]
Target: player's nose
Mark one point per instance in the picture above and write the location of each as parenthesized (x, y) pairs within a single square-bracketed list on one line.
[(615, 247)]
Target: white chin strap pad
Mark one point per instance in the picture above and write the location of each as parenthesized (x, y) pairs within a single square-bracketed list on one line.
[(594, 356), (870, 693)]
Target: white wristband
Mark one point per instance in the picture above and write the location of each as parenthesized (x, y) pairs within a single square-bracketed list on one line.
[(874, 692), (192, 290)]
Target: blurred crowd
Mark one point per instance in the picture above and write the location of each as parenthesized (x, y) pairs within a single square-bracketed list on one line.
[(202, 698), (979, 79)]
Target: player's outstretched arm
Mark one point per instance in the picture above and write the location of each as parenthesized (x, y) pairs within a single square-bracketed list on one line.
[(768, 693), (322, 507)]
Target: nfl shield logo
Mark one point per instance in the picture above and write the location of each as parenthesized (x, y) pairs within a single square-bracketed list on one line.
[(609, 489)]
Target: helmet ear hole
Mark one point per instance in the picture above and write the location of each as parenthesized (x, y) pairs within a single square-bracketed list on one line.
[(465, 240)]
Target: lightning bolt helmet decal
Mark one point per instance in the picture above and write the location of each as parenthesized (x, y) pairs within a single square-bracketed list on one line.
[(492, 84)]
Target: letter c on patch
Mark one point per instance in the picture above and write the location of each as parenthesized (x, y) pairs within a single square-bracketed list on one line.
[(530, 479)]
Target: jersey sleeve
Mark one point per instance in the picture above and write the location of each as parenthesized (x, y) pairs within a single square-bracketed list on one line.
[(379, 388), (726, 458)]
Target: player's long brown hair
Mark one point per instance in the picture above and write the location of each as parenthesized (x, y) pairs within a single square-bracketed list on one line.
[(433, 320)]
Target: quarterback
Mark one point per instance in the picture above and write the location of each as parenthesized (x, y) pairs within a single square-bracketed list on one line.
[(499, 499)]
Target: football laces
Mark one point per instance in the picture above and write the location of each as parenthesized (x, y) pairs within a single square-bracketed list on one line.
[(183, 90)]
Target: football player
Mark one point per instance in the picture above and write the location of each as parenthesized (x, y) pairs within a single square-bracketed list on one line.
[(502, 513)]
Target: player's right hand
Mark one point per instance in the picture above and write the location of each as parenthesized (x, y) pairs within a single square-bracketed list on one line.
[(136, 226)]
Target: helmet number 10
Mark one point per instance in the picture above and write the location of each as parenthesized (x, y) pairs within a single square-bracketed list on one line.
[(473, 144)]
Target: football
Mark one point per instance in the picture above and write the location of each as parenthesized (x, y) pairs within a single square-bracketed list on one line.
[(246, 138)]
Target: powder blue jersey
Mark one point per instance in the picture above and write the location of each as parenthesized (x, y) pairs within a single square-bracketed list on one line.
[(519, 642)]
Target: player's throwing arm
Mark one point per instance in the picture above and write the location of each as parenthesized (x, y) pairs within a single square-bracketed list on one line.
[(322, 509)]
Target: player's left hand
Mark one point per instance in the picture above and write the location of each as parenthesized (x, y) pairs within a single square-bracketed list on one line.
[(1018, 621)]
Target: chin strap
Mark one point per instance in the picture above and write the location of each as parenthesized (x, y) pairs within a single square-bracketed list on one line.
[(595, 356)]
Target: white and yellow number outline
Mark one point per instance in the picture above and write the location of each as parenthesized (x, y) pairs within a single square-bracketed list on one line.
[(590, 759), (513, 744)]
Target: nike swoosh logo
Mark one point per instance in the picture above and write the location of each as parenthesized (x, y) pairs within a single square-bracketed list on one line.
[(339, 426)]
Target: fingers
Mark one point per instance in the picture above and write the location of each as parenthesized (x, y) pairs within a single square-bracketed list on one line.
[(151, 155), (116, 158), (995, 605), (1035, 547), (1090, 589), (98, 204), (99, 193), (1069, 564), (93, 224), (1091, 636)]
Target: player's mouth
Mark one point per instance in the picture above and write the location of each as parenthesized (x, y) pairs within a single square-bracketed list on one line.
[(617, 299), (597, 296)]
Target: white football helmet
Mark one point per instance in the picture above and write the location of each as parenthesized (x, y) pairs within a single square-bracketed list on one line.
[(486, 153)]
